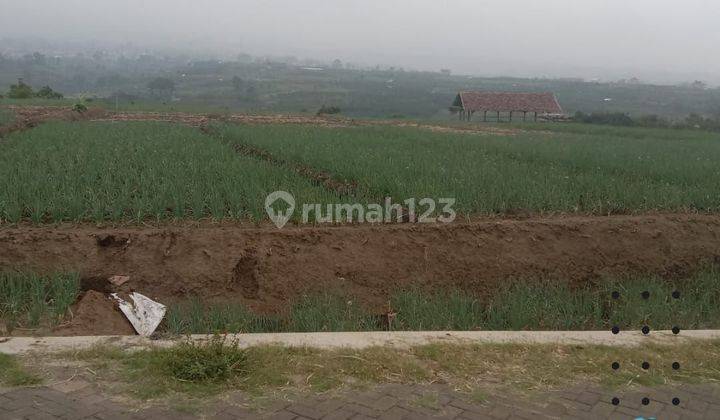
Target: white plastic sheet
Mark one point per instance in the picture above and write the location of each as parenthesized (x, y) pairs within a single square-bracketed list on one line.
[(144, 313)]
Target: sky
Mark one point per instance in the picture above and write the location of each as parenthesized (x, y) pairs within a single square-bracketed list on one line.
[(650, 39)]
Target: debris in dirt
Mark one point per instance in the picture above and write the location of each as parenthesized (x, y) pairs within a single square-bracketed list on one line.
[(119, 280), (95, 314), (144, 314)]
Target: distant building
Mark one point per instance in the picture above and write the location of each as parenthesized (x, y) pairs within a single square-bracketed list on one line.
[(509, 103)]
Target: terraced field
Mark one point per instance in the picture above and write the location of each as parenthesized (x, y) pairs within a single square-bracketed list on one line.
[(178, 206)]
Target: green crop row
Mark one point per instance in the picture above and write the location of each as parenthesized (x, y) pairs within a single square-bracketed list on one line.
[(135, 171), (593, 170)]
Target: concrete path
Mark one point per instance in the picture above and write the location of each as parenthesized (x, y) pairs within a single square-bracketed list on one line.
[(358, 340), (79, 399)]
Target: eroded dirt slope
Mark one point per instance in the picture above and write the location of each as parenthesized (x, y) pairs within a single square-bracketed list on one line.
[(266, 268)]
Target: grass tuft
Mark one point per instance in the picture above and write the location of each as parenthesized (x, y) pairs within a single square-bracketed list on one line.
[(214, 361)]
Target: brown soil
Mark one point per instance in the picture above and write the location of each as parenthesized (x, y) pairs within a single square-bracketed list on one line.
[(29, 116), (266, 268), (200, 120), (96, 314), (324, 179)]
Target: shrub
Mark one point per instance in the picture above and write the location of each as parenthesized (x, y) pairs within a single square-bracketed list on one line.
[(608, 118), (20, 91), (80, 108), (47, 93), (326, 110)]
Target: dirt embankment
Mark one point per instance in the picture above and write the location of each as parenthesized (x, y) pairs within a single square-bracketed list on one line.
[(201, 120), (266, 268)]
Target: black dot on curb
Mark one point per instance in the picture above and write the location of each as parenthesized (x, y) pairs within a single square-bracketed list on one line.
[(646, 330), (676, 401), (645, 365), (645, 295), (676, 294), (616, 330), (676, 330), (676, 366), (616, 295), (616, 365), (616, 401), (646, 401)]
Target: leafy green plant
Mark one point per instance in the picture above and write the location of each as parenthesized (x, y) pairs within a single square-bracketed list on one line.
[(80, 108)]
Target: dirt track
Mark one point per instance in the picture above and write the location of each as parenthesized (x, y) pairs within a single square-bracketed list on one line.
[(265, 267), (31, 115)]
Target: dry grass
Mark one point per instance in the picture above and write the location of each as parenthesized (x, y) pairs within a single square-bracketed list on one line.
[(273, 370)]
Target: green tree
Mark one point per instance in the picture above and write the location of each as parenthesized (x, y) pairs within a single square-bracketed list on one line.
[(48, 93), (20, 91)]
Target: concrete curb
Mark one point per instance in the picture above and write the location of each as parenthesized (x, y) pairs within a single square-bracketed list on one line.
[(360, 340)]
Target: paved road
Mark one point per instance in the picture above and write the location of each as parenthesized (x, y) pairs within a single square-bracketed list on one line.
[(78, 399)]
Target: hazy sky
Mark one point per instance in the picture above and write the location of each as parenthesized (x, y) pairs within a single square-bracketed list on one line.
[(650, 38)]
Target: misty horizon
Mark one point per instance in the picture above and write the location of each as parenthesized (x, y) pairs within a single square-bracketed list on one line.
[(558, 38)]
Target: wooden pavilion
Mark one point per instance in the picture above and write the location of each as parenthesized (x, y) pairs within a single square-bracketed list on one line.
[(508, 103)]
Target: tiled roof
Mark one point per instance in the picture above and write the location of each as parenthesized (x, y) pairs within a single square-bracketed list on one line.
[(505, 102)]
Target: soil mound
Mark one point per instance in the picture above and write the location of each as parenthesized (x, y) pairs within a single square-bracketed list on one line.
[(96, 314)]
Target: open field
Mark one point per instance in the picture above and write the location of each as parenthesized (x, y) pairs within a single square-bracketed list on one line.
[(177, 203), (149, 170)]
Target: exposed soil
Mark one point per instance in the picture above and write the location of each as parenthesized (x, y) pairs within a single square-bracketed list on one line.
[(266, 268), (201, 120), (324, 179), (28, 116), (95, 314)]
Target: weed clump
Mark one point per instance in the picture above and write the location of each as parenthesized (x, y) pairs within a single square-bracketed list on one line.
[(214, 361)]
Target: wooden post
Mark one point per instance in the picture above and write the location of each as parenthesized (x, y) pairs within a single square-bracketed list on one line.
[(535, 116), (484, 116), (498, 116), (511, 116), (524, 115)]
